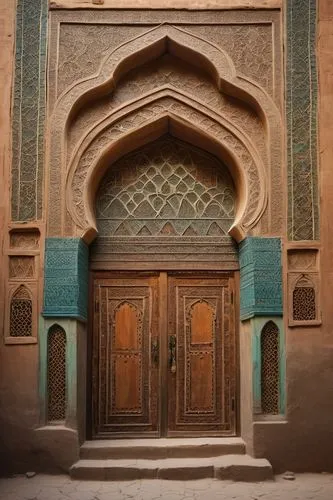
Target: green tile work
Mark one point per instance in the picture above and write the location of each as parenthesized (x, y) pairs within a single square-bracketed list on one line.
[(260, 277), (29, 109), (66, 278), (301, 102)]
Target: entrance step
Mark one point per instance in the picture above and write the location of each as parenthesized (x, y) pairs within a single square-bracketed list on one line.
[(178, 459), (152, 449), (234, 467)]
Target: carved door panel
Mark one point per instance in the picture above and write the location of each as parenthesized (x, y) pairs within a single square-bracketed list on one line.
[(125, 392), (202, 356), (163, 355)]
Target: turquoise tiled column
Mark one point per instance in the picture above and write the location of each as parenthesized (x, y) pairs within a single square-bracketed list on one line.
[(66, 278), (301, 119), (70, 328), (65, 304), (29, 102), (260, 277), (260, 302)]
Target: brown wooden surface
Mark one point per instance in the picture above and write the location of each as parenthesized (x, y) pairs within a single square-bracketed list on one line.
[(135, 392), (201, 316), (125, 380)]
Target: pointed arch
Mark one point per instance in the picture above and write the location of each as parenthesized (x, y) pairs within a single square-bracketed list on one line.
[(145, 47), (304, 306), (146, 120), (270, 368), (56, 373), (21, 314)]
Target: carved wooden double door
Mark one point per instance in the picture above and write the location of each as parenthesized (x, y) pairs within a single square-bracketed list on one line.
[(163, 354)]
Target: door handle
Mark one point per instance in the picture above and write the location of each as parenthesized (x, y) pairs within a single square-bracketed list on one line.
[(155, 351), (172, 353)]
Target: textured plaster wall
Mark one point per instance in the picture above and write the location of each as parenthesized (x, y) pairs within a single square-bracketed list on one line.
[(19, 404), (18, 373), (305, 442), (302, 443)]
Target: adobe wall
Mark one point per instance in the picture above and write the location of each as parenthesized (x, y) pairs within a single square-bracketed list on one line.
[(18, 373), (303, 440), (304, 443)]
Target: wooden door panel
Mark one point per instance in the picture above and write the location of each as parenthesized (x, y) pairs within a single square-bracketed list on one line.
[(125, 381), (201, 385)]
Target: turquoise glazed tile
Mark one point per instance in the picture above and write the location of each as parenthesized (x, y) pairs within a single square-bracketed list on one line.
[(301, 103), (29, 109), (260, 277), (66, 278)]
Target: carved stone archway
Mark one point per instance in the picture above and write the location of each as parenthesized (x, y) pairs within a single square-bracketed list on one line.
[(252, 173), (142, 122), (76, 168)]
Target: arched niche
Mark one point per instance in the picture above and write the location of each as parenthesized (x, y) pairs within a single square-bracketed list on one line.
[(145, 47), (86, 170)]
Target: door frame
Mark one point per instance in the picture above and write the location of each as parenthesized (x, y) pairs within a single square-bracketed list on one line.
[(163, 324)]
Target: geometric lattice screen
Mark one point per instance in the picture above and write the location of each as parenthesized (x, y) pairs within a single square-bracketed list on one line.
[(169, 188), (21, 313), (270, 369), (304, 303), (56, 374)]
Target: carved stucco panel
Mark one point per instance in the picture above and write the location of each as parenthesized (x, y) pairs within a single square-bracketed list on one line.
[(174, 73), (82, 48), (154, 41), (112, 131)]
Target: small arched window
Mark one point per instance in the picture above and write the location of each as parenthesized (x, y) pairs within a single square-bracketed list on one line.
[(56, 374), (21, 313), (270, 369), (304, 300)]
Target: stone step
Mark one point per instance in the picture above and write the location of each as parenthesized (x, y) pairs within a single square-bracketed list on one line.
[(151, 449), (233, 467)]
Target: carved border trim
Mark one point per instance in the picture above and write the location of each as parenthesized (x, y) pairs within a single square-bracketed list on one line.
[(301, 107), (29, 110), (141, 49), (160, 115)]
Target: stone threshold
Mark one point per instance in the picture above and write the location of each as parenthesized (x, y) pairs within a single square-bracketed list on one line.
[(231, 467), (151, 449)]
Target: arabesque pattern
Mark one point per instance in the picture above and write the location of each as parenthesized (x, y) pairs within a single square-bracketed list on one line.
[(301, 103), (21, 313), (304, 303), (153, 110), (166, 188), (29, 110), (270, 369), (56, 374)]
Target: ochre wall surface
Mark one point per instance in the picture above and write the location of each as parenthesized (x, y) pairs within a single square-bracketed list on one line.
[(303, 440), (304, 443), (19, 407)]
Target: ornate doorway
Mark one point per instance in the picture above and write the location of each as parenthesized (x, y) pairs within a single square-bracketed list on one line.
[(164, 357), (163, 321)]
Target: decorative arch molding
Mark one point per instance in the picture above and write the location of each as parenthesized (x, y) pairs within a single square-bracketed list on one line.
[(149, 45), (146, 47), (145, 120)]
